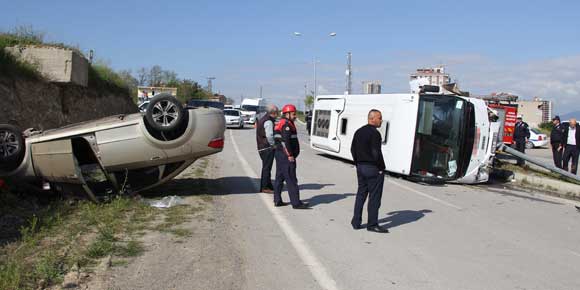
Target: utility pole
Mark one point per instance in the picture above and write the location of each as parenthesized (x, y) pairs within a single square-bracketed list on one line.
[(348, 90), (260, 92), (315, 84), (209, 84)]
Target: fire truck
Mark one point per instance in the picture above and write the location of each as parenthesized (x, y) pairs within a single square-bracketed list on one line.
[(505, 107)]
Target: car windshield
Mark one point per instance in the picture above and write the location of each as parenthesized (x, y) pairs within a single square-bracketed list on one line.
[(207, 104), (535, 131), (231, 113), (250, 108), (440, 137)]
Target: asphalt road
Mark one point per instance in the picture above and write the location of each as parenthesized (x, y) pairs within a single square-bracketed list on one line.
[(441, 237)]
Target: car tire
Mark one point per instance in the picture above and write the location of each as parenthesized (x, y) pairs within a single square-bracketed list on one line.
[(11, 147), (529, 145), (164, 112)]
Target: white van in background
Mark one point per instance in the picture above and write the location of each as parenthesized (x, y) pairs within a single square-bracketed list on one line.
[(427, 137), (251, 109)]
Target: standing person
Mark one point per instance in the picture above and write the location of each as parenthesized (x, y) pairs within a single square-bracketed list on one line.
[(265, 141), (572, 148), (556, 140), (521, 136), (308, 121), (370, 165), (287, 150)]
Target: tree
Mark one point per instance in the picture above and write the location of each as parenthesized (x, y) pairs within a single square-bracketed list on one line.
[(309, 102), (168, 77), (142, 76), (155, 74), (130, 81)]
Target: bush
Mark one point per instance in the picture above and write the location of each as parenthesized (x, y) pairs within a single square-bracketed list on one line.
[(546, 127)]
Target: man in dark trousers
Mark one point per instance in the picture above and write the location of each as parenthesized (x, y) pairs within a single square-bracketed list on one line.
[(287, 150), (521, 136), (265, 141), (308, 121), (556, 138), (370, 165), (572, 148)]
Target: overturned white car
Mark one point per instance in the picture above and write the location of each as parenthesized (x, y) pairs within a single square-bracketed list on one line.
[(123, 153)]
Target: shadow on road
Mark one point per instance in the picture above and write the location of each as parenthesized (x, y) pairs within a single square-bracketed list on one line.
[(313, 186), (327, 198), (218, 186), (401, 217), (203, 186)]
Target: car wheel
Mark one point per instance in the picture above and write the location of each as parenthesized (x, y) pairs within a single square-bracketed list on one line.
[(529, 145), (164, 112), (11, 147)]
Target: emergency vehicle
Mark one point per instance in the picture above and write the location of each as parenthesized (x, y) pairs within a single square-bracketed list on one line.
[(426, 136)]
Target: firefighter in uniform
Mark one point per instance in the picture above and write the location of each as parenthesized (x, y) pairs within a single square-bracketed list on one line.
[(287, 150), (521, 136)]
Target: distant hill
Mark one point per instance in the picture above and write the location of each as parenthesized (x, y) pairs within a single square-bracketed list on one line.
[(575, 114)]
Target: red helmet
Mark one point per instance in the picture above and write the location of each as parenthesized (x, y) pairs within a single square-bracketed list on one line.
[(288, 108)]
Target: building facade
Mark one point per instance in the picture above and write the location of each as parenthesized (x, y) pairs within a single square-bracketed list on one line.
[(371, 87), (535, 111), (434, 76)]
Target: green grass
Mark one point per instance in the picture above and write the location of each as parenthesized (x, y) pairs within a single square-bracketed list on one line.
[(101, 76), (62, 236)]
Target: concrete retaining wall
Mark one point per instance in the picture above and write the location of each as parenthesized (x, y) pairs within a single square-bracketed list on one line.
[(45, 105), (56, 64)]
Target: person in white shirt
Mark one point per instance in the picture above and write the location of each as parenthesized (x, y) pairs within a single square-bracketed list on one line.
[(572, 146)]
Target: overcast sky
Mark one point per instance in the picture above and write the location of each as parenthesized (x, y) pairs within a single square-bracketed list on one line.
[(529, 48)]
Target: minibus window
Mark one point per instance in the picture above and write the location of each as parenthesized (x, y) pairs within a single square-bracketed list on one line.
[(321, 123), (386, 133), (343, 126)]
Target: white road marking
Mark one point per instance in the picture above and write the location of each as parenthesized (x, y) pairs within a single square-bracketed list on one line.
[(306, 254), (424, 194)]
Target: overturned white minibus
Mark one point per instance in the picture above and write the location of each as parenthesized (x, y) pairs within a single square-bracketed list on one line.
[(427, 137)]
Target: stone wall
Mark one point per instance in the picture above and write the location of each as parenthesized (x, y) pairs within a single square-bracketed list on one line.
[(45, 105), (56, 64)]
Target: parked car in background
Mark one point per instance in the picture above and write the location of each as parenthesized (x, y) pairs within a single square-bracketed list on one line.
[(234, 118), (123, 153), (537, 139), (143, 107)]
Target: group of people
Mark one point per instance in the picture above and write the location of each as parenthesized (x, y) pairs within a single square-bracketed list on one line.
[(279, 141), (564, 139)]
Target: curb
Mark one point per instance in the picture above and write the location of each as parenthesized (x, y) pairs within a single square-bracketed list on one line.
[(548, 185)]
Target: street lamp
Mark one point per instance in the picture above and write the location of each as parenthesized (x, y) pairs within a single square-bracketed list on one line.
[(332, 34)]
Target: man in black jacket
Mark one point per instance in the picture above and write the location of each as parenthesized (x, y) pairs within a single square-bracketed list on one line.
[(265, 141), (521, 136), (556, 138), (370, 165), (572, 145)]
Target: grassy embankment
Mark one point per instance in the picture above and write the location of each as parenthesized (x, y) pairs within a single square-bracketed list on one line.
[(68, 235), (101, 76)]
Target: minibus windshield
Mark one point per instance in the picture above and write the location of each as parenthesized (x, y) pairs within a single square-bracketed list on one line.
[(440, 137)]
